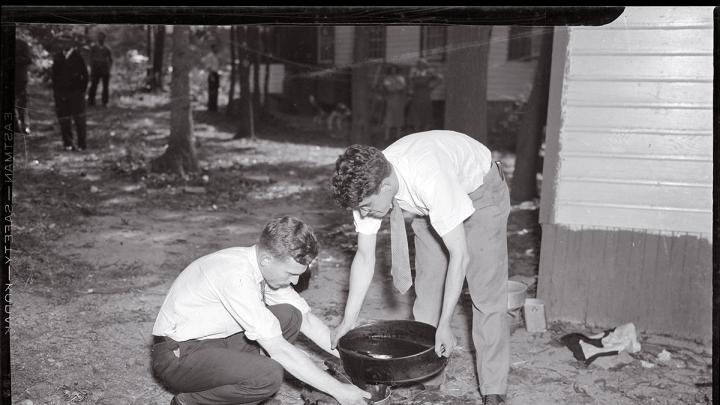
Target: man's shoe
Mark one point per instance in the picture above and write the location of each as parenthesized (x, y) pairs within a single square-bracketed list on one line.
[(176, 401), (493, 399)]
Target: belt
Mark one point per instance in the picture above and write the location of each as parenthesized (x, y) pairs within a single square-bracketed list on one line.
[(160, 339)]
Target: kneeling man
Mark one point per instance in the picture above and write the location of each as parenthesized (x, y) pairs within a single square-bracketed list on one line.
[(227, 306)]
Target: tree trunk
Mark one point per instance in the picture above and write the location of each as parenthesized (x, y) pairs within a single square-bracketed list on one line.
[(532, 127), (148, 45), (466, 80), (267, 45), (180, 156), (158, 56), (254, 40), (247, 125), (361, 130), (233, 71)]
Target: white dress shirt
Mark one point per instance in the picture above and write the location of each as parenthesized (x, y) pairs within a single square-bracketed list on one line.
[(436, 171), (221, 294)]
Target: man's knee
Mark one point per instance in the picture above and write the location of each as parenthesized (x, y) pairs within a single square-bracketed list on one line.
[(290, 319)]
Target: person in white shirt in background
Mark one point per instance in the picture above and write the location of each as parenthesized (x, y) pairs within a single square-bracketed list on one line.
[(212, 65), (460, 203), (225, 308)]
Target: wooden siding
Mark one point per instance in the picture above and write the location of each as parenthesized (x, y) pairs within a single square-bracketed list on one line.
[(604, 278), (344, 45), (403, 44), (507, 80), (635, 139)]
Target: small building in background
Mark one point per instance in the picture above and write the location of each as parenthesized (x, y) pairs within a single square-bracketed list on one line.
[(626, 206)]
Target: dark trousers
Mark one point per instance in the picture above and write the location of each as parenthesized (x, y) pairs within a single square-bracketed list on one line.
[(95, 77), (231, 370), (213, 84), (69, 107)]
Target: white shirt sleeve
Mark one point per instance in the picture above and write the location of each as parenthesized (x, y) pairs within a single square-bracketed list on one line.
[(447, 203), (242, 298), (286, 295), (367, 225)]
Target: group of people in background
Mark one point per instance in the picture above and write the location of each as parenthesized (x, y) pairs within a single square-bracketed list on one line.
[(70, 78), (408, 100)]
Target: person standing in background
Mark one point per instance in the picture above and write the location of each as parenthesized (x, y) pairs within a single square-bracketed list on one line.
[(23, 60), (212, 65), (70, 80), (423, 79), (395, 89), (100, 65)]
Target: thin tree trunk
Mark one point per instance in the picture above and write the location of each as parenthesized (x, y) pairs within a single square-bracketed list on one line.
[(254, 33), (532, 127), (233, 71), (267, 45), (180, 156), (466, 80), (158, 56), (361, 70), (247, 125), (149, 70)]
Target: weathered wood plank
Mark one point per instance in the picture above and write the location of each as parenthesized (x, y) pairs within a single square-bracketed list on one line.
[(636, 169), (634, 218), (638, 92), (696, 145), (631, 66), (642, 41), (680, 197)]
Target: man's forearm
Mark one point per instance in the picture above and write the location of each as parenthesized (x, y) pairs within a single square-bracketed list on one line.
[(457, 269), (299, 365), (316, 330), (361, 274)]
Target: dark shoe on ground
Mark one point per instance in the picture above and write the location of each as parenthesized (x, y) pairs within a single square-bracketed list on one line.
[(493, 399)]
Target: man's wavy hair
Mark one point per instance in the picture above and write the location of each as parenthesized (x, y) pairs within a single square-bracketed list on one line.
[(358, 174), (289, 237)]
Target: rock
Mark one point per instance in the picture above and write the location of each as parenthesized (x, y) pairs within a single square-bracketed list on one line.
[(94, 189), (664, 356), (41, 390), (194, 190)]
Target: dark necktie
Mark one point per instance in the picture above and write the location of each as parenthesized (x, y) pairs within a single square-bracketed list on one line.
[(262, 287), (400, 256)]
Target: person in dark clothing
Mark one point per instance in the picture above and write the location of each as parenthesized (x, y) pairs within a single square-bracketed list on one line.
[(100, 64), (70, 79), (212, 65), (23, 60)]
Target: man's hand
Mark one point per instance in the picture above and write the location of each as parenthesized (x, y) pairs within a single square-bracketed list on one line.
[(444, 340), (340, 331), (351, 395)]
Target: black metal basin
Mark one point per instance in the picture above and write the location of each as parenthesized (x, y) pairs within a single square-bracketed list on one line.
[(390, 352)]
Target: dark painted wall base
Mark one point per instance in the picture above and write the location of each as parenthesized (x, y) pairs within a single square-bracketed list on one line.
[(604, 278)]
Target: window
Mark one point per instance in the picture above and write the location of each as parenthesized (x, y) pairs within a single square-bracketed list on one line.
[(376, 42), (433, 40), (326, 45), (520, 43)]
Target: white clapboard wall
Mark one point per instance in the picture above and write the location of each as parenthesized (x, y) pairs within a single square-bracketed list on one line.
[(635, 123), (507, 80)]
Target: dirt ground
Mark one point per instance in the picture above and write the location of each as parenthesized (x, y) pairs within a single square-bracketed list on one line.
[(97, 242)]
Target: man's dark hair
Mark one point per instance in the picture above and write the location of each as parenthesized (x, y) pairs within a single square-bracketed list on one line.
[(289, 237), (358, 174)]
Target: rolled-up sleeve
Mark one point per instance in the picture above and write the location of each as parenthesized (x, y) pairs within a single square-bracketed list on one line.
[(366, 225), (448, 205)]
